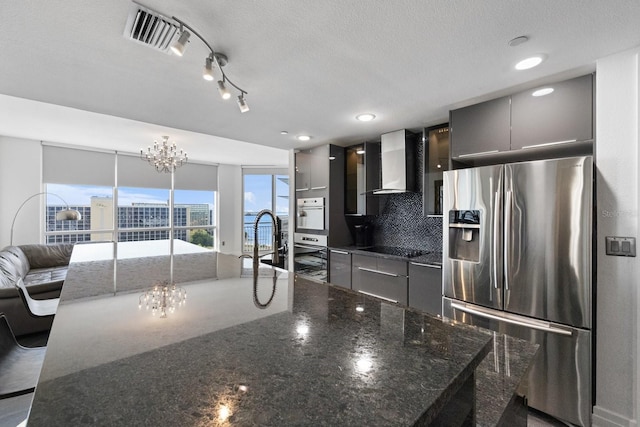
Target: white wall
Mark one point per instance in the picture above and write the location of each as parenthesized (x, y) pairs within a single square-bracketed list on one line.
[(230, 209), (229, 214), (617, 160), (20, 177)]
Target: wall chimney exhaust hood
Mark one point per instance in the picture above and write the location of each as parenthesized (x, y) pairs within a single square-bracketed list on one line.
[(398, 162)]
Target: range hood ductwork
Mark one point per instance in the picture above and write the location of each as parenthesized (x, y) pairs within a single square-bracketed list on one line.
[(398, 151)]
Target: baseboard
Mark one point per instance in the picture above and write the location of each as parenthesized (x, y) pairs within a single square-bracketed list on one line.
[(604, 418)]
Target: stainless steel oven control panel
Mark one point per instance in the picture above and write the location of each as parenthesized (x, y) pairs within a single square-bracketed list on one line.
[(310, 239)]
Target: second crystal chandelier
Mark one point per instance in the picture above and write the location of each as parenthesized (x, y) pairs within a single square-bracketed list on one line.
[(215, 58)]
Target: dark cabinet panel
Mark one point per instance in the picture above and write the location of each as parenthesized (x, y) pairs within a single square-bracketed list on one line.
[(425, 287), (436, 160), (362, 177), (481, 128), (564, 115), (340, 268), (380, 277)]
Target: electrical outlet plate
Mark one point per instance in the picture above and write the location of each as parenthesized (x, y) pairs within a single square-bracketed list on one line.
[(620, 246)]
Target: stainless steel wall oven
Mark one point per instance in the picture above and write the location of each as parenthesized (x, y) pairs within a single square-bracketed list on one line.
[(310, 256)]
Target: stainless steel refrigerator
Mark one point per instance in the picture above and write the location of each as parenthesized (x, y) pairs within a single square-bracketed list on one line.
[(517, 258)]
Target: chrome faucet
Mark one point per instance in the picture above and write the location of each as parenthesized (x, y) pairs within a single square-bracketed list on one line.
[(275, 259)]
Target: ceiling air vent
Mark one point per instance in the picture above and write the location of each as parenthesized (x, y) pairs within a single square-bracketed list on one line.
[(150, 28)]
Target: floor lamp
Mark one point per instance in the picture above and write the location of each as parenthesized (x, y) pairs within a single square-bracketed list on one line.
[(63, 215)]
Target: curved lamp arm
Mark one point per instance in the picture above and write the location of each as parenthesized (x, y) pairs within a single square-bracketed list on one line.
[(64, 215)]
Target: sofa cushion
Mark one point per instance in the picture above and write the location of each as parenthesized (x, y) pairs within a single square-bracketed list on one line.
[(45, 275), (44, 256), (8, 271), (19, 259)]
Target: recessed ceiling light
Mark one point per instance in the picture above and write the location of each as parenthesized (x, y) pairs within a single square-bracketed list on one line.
[(360, 151), (303, 137), (531, 62), (542, 92), (283, 132), (365, 117)]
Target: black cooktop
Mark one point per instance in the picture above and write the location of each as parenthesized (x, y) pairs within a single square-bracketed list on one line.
[(392, 250)]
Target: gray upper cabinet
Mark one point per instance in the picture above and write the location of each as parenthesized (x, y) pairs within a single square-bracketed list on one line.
[(312, 171), (564, 115), (514, 124), (303, 171), (481, 128)]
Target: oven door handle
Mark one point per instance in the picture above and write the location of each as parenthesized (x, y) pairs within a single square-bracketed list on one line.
[(317, 248)]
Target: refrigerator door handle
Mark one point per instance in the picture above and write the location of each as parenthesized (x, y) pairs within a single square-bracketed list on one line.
[(507, 238), (496, 238), (541, 326)]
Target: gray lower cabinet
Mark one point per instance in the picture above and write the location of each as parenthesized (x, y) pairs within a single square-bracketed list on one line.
[(425, 287), (380, 277), (340, 268)]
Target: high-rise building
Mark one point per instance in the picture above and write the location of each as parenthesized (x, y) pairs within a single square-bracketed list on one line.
[(139, 216)]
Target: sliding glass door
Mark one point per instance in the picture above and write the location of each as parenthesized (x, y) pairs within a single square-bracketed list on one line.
[(264, 189)]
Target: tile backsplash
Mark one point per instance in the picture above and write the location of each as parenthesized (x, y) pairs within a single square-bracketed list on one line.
[(401, 223)]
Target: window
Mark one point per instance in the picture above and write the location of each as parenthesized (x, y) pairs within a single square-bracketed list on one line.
[(94, 204), (85, 180), (194, 217)]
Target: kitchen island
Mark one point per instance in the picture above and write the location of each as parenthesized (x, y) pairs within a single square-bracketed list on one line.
[(317, 355)]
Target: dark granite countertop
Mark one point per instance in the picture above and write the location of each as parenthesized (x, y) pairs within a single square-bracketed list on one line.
[(318, 355)]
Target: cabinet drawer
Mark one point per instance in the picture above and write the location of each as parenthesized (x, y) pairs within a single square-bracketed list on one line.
[(381, 285), (392, 266), (384, 278), (365, 261)]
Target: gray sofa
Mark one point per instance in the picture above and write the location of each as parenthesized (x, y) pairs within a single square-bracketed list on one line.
[(43, 269)]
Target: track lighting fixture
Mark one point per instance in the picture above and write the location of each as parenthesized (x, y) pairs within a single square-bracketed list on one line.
[(242, 104), (207, 74), (180, 45), (215, 60), (224, 92)]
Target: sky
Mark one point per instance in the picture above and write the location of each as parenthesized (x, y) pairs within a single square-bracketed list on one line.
[(257, 194)]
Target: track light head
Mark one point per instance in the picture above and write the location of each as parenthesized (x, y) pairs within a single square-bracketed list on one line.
[(242, 103), (224, 92), (207, 74), (180, 45), (215, 60)]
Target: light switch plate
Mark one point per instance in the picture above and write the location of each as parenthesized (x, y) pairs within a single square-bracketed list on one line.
[(620, 246)]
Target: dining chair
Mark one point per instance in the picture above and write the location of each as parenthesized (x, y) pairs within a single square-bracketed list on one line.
[(19, 366)]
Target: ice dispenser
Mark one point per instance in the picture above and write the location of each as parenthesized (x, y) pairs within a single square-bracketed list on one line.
[(464, 235)]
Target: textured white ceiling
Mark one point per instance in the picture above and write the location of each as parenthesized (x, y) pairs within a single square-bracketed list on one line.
[(309, 66)]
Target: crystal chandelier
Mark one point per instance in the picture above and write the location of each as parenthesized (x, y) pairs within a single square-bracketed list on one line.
[(164, 157), (163, 298)]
